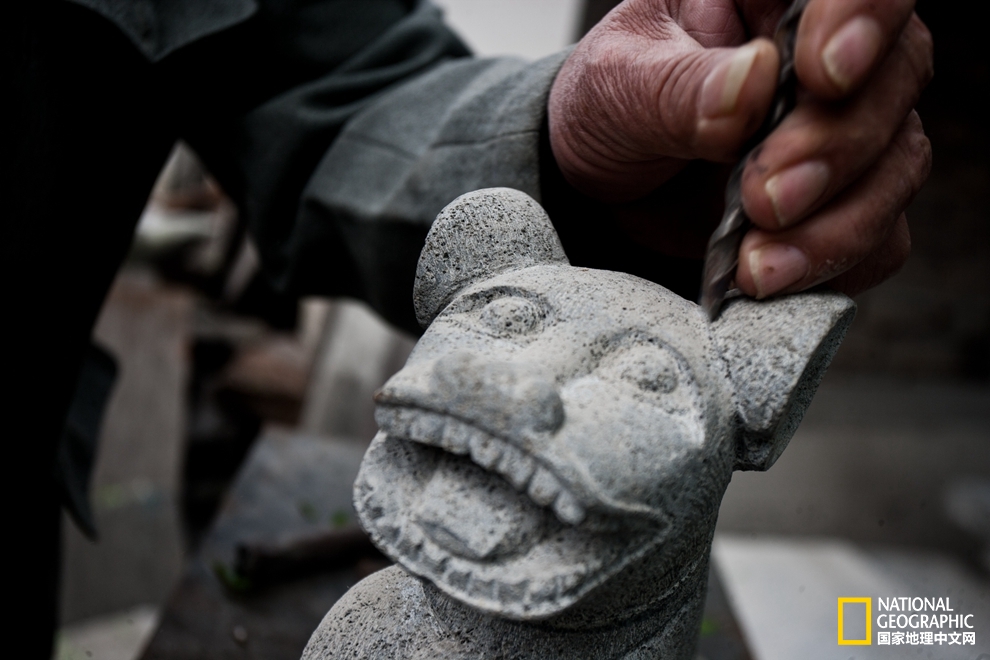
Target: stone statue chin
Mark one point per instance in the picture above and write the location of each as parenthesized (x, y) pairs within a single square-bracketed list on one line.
[(552, 457)]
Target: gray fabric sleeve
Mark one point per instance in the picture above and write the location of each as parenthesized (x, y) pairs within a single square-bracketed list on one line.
[(465, 124)]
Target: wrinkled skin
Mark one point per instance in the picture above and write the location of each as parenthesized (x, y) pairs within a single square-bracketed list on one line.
[(661, 83)]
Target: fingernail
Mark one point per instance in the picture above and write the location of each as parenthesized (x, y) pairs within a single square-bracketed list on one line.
[(777, 266), (793, 191), (720, 92), (850, 52)]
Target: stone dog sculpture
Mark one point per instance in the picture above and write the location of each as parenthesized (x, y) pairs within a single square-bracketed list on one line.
[(552, 457)]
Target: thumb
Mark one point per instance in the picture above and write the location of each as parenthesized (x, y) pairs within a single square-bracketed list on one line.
[(626, 112), (732, 93)]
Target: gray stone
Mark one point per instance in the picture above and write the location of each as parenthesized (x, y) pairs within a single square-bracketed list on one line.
[(552, 457)]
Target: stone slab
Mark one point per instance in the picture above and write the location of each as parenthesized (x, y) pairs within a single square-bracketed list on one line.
[(785, 592), (290, 485)]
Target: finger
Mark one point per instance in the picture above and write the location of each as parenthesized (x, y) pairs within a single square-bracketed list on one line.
[(879, 265), (733, 91), (839, 44), (844, 233), (821, 147), (624, 107)]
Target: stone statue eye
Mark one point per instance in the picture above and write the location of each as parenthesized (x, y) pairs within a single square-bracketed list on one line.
[(649, 368), (511, 316)]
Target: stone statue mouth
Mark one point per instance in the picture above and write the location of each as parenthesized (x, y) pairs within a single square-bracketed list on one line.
[(524, 471), (491, 523), (466, 529)]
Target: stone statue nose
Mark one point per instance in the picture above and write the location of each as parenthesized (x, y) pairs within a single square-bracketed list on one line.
[(502, 397)]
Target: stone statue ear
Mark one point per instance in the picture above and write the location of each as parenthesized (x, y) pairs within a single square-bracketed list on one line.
[(479, 235), (777, 352)]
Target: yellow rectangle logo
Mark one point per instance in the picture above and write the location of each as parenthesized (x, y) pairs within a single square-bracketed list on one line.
[(868, 602)]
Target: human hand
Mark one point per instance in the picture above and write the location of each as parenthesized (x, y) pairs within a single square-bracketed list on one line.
[(660, 83)]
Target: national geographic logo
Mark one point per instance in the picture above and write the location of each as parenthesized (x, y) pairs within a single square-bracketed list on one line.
[(854, 626), (903, 620)]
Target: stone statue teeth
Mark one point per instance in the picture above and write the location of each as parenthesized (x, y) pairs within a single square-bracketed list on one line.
[(556, 448)]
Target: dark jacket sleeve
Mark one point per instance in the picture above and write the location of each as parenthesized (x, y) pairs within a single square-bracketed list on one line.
[(465, 125), (158, 28), (341, 174)]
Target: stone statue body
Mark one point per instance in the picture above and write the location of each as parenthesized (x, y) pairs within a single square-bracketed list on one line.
[(552, 457)]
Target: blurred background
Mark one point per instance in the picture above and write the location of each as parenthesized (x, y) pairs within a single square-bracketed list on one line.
[(887, 478)]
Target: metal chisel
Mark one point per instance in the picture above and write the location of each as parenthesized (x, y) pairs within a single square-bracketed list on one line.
[(722, 255)]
